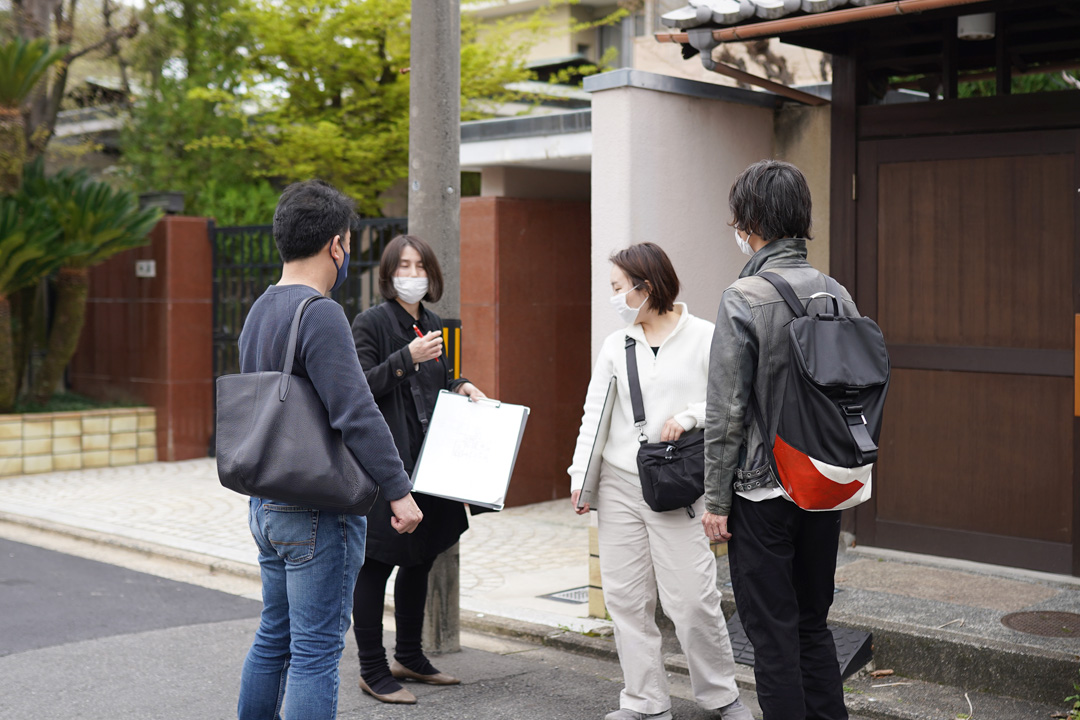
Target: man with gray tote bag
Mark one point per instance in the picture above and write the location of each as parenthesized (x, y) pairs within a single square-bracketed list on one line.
[(309, 555)]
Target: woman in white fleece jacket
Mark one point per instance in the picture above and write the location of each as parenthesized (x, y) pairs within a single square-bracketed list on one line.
[(642, 551)]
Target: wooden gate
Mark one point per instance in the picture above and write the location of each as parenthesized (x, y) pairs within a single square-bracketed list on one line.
[(966, 256)]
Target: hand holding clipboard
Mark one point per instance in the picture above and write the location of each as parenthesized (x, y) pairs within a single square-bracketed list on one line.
[(470, 450)]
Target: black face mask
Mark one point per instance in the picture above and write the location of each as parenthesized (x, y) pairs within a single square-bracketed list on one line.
[(342, 271)]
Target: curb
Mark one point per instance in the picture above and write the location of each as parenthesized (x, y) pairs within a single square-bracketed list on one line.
[(951, 658), (568, 641), (209, 562)]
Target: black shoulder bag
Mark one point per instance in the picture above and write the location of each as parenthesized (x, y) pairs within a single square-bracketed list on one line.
[(274, 441), (672, 473)]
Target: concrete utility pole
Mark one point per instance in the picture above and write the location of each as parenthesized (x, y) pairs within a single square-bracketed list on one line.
[(435, 139), (435, 216)]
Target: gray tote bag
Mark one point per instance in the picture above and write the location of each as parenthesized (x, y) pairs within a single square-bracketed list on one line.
[(274, 441)]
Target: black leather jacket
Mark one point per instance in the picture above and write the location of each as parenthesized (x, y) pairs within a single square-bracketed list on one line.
[(750, 346)]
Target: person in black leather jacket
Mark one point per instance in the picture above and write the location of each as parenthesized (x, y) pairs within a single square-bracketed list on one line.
[(782, 558)]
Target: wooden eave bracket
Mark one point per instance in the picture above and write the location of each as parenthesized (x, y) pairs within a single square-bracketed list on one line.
[(702, 39)]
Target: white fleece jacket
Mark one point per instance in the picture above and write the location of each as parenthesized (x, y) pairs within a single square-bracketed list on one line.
[(672, 385)]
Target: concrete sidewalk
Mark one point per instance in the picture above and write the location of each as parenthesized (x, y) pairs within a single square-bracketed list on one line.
[(509, 560), (934, 620)]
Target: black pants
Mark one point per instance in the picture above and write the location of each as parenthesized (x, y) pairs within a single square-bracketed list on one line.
[(410, 594), (782, 562)]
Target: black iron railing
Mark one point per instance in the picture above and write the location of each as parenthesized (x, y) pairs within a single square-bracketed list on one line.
[(246, 262)]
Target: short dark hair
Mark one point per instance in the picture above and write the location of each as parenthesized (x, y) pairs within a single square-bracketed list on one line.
[(309, 214), (647, 263), (391, 257), (771, 199)]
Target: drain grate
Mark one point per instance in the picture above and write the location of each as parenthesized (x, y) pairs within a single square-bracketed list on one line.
[(854, 648), (1044, 622), (577, 595)]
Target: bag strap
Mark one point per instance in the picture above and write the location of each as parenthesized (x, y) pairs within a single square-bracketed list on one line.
[(635, 387), (786, 292), (792, 299), (290, 346)]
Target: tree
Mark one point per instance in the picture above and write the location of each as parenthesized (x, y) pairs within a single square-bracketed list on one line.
[(249, 90), (26, 235), (23, 64), (28, 250), (55, 19), (95, 222)]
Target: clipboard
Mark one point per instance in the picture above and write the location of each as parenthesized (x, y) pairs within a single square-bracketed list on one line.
[(592, 470), (470, 449)]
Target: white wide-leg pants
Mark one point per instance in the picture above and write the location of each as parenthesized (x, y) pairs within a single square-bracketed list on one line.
[(642, 551)]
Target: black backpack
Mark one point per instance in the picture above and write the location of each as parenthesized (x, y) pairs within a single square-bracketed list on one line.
[(830, 418)]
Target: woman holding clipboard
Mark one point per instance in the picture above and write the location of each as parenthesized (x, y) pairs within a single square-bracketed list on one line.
[(643, 552), (400, 346)]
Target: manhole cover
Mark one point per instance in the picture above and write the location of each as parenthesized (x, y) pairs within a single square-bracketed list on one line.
[(1045, 623)]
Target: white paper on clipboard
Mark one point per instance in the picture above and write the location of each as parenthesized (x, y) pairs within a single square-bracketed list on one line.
[(470, 450), (592, 470)]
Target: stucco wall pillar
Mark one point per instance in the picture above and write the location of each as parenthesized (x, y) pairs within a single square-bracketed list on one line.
[(665, 153)]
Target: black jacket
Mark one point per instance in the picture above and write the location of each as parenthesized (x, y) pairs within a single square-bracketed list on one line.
[(382, 335)]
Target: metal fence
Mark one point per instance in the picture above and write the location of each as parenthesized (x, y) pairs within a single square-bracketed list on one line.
[(246, 262)]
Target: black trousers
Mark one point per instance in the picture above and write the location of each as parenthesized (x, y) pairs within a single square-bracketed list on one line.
[(782, 562), (410, 593)]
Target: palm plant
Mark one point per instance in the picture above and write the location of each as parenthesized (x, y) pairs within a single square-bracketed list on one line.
[(29, 249), (23, 63), (96, 221)]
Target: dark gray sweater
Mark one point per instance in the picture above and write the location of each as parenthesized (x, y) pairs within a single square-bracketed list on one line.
[(325, 355)]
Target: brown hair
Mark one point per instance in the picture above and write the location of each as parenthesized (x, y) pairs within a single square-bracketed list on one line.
[(391, 258), (648, 263)]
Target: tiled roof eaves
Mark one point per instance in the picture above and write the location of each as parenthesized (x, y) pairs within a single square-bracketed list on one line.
[(627, 77), (733, 12)]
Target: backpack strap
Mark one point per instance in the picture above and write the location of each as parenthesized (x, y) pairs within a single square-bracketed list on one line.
[(786, 292), (635, 387), (865, 447)]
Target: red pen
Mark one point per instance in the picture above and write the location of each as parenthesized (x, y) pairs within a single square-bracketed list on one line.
[(421, 336)]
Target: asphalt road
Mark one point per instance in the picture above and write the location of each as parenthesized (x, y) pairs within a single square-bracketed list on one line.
[(85, 639)]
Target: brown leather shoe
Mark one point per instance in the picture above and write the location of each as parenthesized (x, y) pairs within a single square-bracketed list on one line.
[(401, 672), (400, 697)]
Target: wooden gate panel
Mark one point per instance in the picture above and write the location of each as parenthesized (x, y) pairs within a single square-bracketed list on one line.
[(966, 256), (974, 252), (978, 452)]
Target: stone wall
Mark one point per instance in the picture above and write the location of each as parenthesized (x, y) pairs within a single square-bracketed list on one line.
[(46, 442)]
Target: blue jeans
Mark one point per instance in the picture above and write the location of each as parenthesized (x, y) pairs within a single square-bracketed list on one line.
[(309, 561)]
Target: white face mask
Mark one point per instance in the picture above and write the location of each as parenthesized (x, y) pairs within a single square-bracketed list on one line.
[(411, 289), (744, 245), (626, 313)]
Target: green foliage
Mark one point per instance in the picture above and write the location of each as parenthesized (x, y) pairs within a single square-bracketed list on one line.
[(96, 221), (251, 203), (201, 41), (184, 138), (1074, 700), (342, 110), (67, 402), (23, 63), (1021, 84), (285, 90), (29, 247)]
